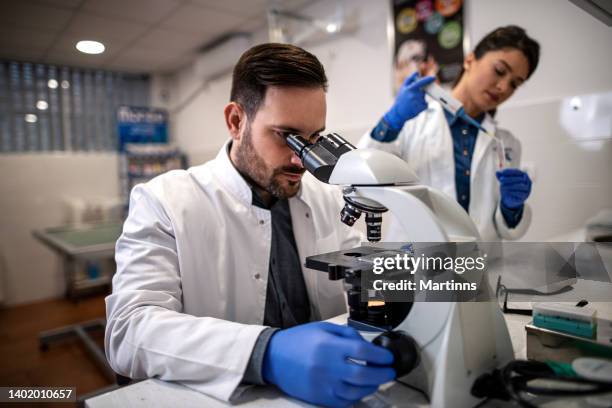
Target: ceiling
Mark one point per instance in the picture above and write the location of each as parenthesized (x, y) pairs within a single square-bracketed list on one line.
[(139, 35)]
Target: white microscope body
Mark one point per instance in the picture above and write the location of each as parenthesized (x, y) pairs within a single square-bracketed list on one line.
[(456, 341)]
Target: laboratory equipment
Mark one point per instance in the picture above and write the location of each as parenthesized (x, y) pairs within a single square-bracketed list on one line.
[(575, 320), (455, 108), (453, 342)]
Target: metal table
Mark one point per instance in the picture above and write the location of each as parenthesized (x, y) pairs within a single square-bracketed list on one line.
[(74, 244), (91, 242)]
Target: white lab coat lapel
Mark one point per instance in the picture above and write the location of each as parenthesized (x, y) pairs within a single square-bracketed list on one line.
[(481, 158), (233, 182), (482, 144)]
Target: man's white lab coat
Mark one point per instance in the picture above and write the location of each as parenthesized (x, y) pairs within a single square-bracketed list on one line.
[(426, 144), (192, 272)]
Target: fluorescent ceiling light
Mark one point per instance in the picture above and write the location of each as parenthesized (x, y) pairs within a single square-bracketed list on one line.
[(90, 47), (42, 105), (52, 83), (30, 118), (65, 84)]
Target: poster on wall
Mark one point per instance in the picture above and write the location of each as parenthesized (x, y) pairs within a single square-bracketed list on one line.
[(428, 38), (141, 125)]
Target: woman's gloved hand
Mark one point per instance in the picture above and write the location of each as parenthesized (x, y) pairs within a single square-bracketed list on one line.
[(515, 187), (410, 101), (311, 362)]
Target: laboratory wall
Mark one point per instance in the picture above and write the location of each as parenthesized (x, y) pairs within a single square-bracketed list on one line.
[(357, 65), (571, 179), (196, 111), (34, 190)]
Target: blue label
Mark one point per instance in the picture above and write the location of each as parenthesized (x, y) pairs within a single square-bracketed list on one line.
[(141, 125)]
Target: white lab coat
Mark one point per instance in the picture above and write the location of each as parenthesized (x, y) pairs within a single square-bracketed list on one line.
[(426, 143), (192, 272)]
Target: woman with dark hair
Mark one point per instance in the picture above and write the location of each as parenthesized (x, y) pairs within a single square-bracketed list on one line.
[(454, 156)]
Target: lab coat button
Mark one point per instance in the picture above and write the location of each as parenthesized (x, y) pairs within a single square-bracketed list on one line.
[(257, 276), (261, 222), (307, 215)]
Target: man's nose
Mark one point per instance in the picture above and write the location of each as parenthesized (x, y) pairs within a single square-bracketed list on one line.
[(295, 160)]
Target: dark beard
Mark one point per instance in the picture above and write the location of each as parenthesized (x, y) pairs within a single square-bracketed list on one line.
[(254, 169)]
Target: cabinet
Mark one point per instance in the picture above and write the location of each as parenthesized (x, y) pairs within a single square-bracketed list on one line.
[(140, 162)]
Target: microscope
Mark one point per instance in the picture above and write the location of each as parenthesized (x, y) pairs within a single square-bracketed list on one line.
[(441, 347)]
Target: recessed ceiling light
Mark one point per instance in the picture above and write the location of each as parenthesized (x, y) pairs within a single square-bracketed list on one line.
[(331, 27), (42, 105), (30, 118), (65, 84), (90, 47), (52, 83)]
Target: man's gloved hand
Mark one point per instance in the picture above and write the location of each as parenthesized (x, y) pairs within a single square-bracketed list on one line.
[(515, 186), (410, 101), (310, 362)]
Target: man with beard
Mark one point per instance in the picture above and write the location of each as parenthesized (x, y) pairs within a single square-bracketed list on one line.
[(210, 288)]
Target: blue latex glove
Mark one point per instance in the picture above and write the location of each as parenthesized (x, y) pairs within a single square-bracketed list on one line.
[(515, 186), (309, 362), (410, 101)]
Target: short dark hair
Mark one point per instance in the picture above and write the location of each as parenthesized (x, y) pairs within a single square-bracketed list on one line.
[(273, 64)]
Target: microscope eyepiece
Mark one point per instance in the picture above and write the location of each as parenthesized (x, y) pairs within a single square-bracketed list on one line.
[(320, 157), (297, 143)]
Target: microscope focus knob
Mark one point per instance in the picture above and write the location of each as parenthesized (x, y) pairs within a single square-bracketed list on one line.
[(404, 349), (349, 214)]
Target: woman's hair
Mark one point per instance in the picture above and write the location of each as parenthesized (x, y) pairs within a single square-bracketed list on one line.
[(513, 37)]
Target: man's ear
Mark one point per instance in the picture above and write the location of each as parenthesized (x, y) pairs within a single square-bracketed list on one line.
[(468, 61), (235, 119)]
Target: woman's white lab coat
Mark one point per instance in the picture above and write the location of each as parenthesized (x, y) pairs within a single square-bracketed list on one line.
[(426, 143), (192, 272)]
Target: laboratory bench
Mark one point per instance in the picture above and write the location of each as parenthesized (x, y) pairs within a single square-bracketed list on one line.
[(157, 393)]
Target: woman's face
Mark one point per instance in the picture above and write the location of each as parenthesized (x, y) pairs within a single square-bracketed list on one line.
[(495, 76)]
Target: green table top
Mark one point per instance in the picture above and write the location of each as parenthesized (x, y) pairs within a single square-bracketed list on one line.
[(81, 240), (95, 235)]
